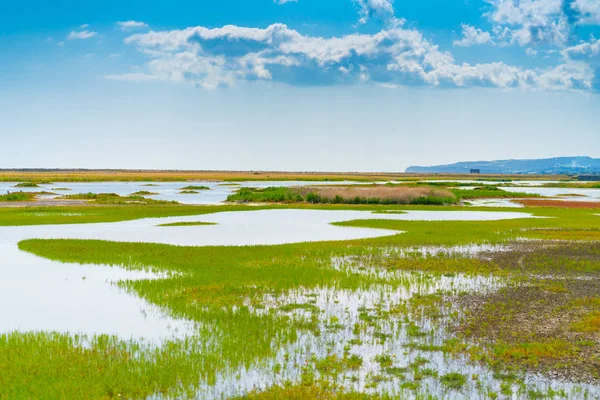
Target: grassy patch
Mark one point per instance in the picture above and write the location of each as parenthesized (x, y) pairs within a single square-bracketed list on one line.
[(27, 185), (17, 196), (143, 193), (188, 224), (345, 195), (113, 198), (195, 187), (489, 192)]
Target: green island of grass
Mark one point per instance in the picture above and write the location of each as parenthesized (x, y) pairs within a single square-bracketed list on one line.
[(143, 193), (188, 224), (27, 185), (195, 187)]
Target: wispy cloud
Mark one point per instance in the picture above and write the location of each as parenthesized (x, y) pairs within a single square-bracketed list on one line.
[(82, 35), (131, 25)]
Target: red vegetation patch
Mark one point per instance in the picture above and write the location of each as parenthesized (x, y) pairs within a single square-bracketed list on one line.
[(559, 203)]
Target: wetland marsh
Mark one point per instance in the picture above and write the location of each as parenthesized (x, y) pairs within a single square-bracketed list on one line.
[(297, 299)]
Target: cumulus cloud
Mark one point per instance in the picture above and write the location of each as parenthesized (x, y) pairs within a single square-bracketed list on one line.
[(524, 22), (82, 35), (220, 57), (583, 50), (131, 25), (473, 36), (589, 11), (380, 9)]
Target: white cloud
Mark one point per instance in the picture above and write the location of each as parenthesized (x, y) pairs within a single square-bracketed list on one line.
[(531, 52), (473, 36), (582, 50), (131, 25), (85, 34), (589, 11), (284, 1), (381, 9), (524, 22), (211, 58)]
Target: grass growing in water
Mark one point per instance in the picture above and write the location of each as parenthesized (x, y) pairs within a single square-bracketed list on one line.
[(211, 282), (188, 224), (345, 195), (195, 187), (143, 193)]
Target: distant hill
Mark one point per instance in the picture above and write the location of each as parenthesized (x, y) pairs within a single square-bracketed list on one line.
[(557, 165)]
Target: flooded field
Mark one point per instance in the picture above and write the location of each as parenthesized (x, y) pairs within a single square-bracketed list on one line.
[(389, 302)]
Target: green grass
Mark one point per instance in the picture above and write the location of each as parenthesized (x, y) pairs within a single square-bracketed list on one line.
[(17, 196), (195, 187), (27, 185), (113, 198), (217, 285), (143, 193), (291, 195), (188, 224), (489, 192)]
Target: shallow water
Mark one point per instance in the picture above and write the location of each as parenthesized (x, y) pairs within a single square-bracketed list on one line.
[(582, 194), (245, 228), (345, 307), (167, 191), (507, 203), (40, 294)]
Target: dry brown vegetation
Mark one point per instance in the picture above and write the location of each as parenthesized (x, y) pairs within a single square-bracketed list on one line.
[(175, 175), (396, 194)]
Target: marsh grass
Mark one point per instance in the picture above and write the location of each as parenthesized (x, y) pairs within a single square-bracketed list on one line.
[(224, 290), (489, 192), (188, 224), (113, 198), (346, 195), (27, 185), (17, 196), (195, 187), (143, 193)]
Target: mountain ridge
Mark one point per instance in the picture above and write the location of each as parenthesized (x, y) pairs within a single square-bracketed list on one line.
[(555, 165)]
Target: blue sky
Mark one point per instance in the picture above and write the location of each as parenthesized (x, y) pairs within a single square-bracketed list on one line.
[(365, 85)]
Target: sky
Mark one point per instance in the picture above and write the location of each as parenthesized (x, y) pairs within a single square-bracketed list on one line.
[(297, 85)]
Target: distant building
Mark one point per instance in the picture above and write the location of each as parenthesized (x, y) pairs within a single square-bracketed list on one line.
[(475, 171)]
